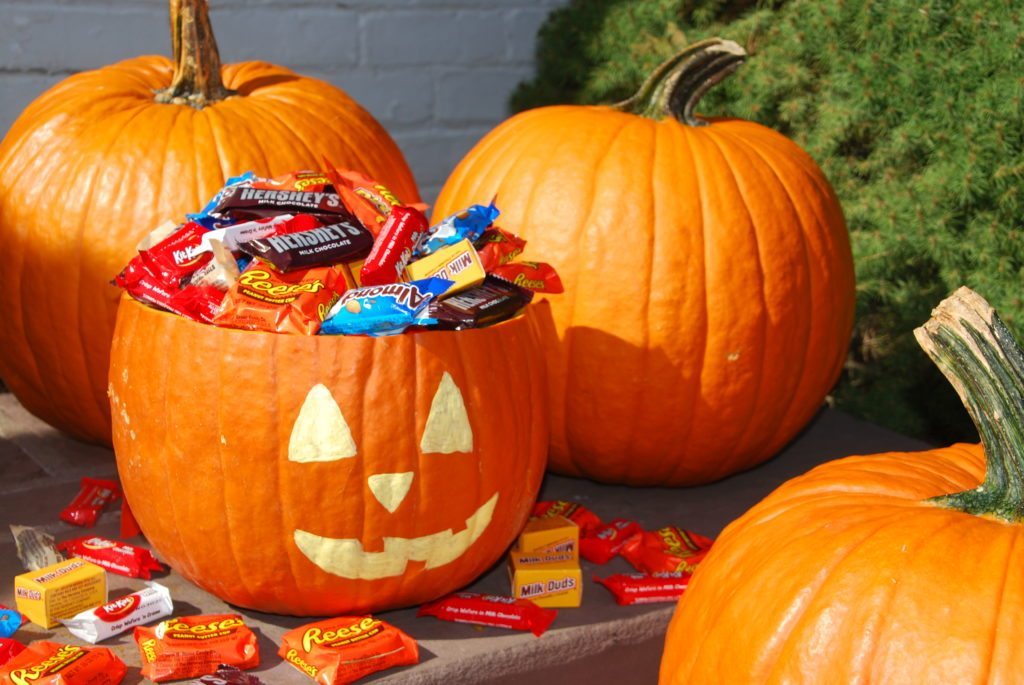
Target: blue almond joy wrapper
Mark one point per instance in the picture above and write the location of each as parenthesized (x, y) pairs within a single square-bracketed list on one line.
[(469, 223), (10, 621), (382, 309)]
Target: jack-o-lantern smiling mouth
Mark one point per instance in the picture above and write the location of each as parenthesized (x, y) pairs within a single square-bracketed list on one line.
[(320, 433)]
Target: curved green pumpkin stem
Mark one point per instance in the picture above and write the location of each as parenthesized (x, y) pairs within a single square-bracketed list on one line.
[(977, 353), (197, 80), (675, 88)]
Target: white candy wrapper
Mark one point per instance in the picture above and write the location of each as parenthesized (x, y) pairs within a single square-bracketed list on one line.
[(114, 618), (232, 236)]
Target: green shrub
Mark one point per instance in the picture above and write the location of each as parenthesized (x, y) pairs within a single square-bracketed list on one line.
[(913, 109)]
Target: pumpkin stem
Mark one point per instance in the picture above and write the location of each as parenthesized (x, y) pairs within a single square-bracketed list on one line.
[(197, 81), (977, 353), (675, 87)]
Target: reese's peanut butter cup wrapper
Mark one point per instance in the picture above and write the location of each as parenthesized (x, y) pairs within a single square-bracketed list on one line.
[(539, 277), (497, 246), (371, 201), (49, 663), (643, 588), (490, 610), (577, 513), (306, 181), (601, 544), (345, 649), (668, 549), (113, 555), (192, 646), (263, 299)]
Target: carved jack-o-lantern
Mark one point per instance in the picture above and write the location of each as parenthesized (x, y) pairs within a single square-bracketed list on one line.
[(322, 475)]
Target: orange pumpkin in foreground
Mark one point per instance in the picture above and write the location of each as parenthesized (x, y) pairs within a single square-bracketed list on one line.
[(709, 281), (328, 474), (106, 155), (865, 570)]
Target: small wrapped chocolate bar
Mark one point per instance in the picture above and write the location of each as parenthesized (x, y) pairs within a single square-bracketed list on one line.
[(114, 618), (341, 242), (492, 301)]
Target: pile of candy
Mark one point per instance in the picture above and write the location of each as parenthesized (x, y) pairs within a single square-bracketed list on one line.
[(333, 253)]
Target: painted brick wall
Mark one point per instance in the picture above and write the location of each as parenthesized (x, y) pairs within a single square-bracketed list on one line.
[(436, 73)]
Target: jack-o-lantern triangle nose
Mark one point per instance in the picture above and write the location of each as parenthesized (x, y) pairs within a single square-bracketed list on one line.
[(390, 488)]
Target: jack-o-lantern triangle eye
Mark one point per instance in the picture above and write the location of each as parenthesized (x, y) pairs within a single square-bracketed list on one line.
[(448, 428), (320, 432)]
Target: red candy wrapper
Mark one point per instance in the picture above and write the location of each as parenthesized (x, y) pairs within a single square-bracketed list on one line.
[(497, 246), (9, 648), (175, 257), (347, 648), (539, 277), (393, 247), (490, 610), (116, 557), (49, 663), (600, 545), (669, 549), (192, 646), (92, 499), (369, 200), (641, 588), (577, 513), (262, 299)]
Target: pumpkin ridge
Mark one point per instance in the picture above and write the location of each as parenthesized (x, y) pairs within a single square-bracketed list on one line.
[(683, 465), (571, 302), (810, 297), (985, 676), (728, 463), (286, 126), (91, 401)]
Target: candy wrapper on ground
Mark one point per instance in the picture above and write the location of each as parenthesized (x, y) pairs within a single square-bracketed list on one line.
[(600, 545), (49, 663), (10, 621), (668, 549), (95, 495), (577, 513), (112, 555), (114, 618), (9, 649), (490, 610), (36, 548), (344, 649), (193, 646), (642, 588), (227, 675)]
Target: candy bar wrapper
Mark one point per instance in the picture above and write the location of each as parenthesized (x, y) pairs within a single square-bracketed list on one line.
[(458, 263), (198, 303), (497, 246), (9, 649), (492, 301), (49, 663), (35, 547), (112, 555), (345, 649), (10, 621), (93, 497), (305, 181), (264, 300), (668, 549), (220, 272), (369, 200), (641, 588), (227, 675), (467, 224), (393, 248), (600, 545), (193, 646), (205, 216), (246, 203), (490, 610), (577, 513), (381, 309), (232, 237), (114, 618), (176, 257), (333, 244), (539, 277)]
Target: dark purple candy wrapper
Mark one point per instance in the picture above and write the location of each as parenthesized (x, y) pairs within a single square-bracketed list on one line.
[(339, 242), (244, 203), (492, 301), (228, 675)]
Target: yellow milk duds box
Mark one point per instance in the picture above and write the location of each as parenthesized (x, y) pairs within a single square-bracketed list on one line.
[(60, 590), (549, 580), (554, 534), (458, 262)]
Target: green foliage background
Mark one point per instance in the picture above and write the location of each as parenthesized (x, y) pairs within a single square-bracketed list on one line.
[(913, 110)]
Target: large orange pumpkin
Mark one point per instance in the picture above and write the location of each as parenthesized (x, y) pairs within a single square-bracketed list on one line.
[(328, 474), (709, 281), (105, 155), (865, 570)]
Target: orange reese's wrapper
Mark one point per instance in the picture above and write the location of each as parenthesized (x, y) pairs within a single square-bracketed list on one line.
[(344, 649), (195, 645), (49, 663)]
